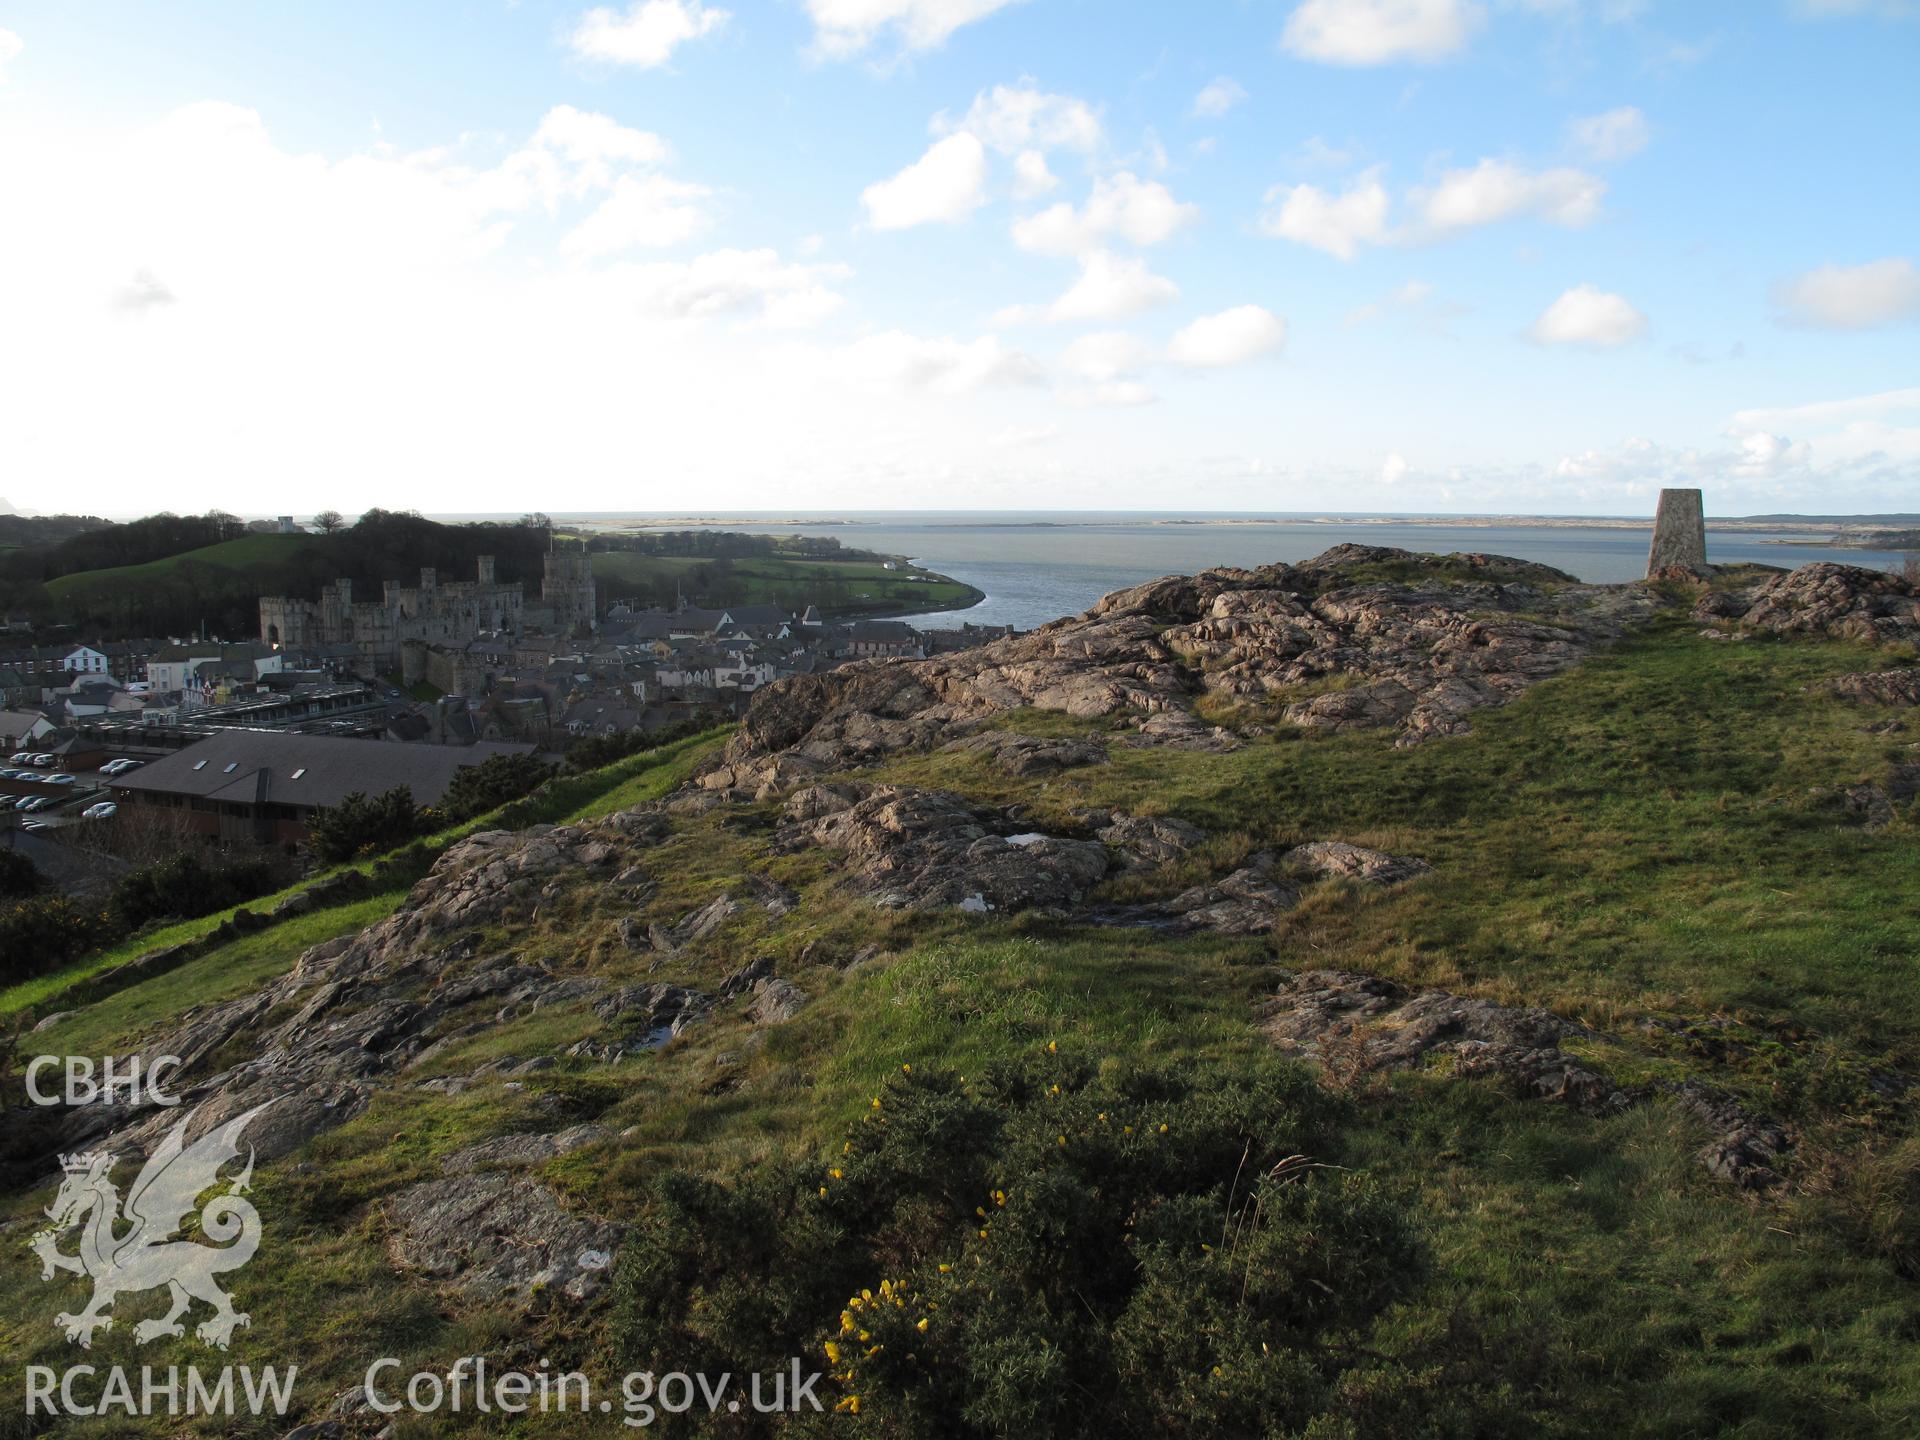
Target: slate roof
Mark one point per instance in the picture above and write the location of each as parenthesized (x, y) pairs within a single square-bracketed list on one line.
[(253, 767)]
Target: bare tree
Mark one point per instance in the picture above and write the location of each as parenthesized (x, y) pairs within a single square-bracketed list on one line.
[(330, 521)]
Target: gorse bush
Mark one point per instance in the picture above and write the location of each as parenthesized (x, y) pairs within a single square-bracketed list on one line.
[(1045, 1252)]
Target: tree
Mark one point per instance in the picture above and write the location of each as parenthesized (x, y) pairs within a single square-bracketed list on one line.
[(476, 789), (330, 521), (360, 825)]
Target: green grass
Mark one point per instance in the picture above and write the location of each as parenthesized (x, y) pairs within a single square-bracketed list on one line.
[(1635, 838), (263, 555), (796, 582)]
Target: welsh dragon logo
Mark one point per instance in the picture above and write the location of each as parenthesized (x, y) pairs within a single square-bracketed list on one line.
[(146, 1256)]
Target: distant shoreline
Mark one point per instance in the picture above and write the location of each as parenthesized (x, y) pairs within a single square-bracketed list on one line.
[(1729, 525)]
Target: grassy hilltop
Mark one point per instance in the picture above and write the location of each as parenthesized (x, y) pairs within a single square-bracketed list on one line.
[(1647, 844)]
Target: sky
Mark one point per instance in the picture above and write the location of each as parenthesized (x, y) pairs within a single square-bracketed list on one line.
[(1464, 256)]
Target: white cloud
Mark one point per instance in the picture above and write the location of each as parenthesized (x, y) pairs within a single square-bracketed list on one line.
[(1031, 177), (1612, 135), (1232, 337), (896, 360), (1106, 355), (752, 283), (1113, 395), (1852, 297), (646, 34), (945, 185), (1795, 453), (1012, 118), (1218, 97), (1393, 469), (647, 211), (1111, 288), (846, 27), (1415, 302), (1586, 315), (1141, 211), (1337, 224), (1378, 32), (594, 141), (1021, 437), (1497, 190), (10, 47)]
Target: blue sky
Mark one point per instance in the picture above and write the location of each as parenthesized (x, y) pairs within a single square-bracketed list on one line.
[(1465, 255)]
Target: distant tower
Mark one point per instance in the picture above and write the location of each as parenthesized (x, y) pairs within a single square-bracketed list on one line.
[(1679, 534), (568, 590)]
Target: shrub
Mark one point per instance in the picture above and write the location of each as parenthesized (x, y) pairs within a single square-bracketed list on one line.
[(1045, 1253), (360, 825), (477, 789), (18, 875), (186, 886), (44, 932), (594, 751)]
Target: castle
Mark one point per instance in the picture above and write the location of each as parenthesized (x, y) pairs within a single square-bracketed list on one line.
[(433, 613)]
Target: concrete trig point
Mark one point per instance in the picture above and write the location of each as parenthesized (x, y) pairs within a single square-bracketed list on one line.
[(1679, 534)]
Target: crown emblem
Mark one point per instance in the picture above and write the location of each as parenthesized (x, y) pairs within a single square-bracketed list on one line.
[(78, 1163)]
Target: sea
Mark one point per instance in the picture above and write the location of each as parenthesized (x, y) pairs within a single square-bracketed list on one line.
[(1038, 566)]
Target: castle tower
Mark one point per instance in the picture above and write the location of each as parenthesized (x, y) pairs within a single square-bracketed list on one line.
[(485, 572), (1679, 535), (567, 587)]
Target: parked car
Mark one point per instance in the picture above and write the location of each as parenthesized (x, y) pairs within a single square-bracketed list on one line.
[(101, 810), (21, 757), (9, 775), (29, 802), (33, 826), (60, 779), (41, 760)]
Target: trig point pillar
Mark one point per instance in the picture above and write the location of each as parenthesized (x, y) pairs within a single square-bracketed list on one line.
[(1679, 534)]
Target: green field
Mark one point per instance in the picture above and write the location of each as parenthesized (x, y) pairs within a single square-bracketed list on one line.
[(263, 557), (1635, 841), (839, 587)]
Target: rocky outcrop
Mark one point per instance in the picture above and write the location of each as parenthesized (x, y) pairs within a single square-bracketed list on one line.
[(357, 1012), (1883, 687), (1418, 652), (1352, 1023), (1337, 860), (914, 849), (1031, 754), (1868, 606), (494, 1235), (1142, 842), (1252, 900)]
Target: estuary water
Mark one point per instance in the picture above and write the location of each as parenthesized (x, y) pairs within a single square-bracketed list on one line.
[(1035, 567)]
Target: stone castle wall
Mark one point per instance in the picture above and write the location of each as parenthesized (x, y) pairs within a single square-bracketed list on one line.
[(431, 613)]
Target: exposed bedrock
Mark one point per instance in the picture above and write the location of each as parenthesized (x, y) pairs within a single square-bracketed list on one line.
[(1358, 638)]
